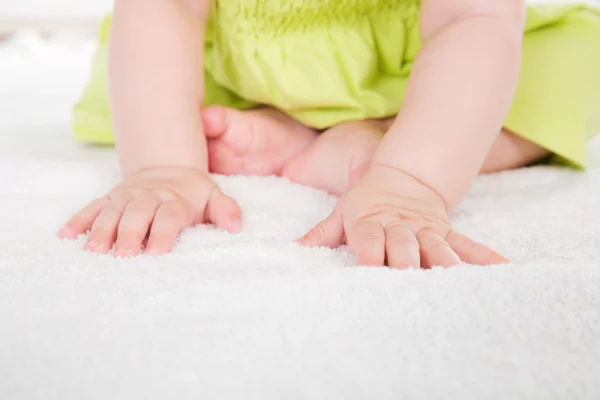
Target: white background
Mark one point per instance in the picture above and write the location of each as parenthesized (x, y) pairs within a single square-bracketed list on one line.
[(53, 8)]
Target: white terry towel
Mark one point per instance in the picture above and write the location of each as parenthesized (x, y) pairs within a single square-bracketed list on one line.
[(255, 317)]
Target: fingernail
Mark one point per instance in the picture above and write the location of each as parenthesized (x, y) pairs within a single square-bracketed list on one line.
[(123, 253), (154, 251), (93, 245), (302, 242), (65, 232), (236, 224)]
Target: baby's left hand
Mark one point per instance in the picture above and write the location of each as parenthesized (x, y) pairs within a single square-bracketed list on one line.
[(389, 218)]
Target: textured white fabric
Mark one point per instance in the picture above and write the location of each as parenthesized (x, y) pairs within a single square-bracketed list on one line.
[(255, 317)]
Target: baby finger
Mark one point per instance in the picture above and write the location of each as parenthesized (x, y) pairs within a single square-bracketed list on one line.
[(435, 252), (171, 218), (82, 221), (104, 229), (134, 224)]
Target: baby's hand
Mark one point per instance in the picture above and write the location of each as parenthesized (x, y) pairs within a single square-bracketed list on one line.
[(156, 205), (388, 217)]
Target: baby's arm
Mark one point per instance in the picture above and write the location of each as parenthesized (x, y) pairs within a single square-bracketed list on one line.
[(156, 69), (156, 84), (459, 93)]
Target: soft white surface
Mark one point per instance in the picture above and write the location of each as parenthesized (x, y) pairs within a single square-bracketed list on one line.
[(253, 316), (53, 8)]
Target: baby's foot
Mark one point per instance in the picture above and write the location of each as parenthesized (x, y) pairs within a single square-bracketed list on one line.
[(254, 142), (339, 156)]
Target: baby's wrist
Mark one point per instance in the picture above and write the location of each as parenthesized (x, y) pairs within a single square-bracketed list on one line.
[(135, 159), (129, 171), (407, 182), (162, 172), (427, 165)]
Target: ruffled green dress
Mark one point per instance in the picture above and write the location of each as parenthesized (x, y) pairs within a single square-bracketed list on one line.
[(328, 61)]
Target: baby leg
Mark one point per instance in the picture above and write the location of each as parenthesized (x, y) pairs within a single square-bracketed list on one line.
[(253, 142), (338, 157), (267, 142), (342, 154), (511, 151)]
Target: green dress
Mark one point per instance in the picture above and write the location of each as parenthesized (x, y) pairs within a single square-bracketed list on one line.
[(328, 61)]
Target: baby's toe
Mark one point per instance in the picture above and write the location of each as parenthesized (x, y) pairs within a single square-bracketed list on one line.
[(222, 160), (214, 121), (231, 127)]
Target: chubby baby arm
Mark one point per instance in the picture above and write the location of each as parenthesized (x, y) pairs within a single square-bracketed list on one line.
[(156, 90), (458, 96), (156, 83)]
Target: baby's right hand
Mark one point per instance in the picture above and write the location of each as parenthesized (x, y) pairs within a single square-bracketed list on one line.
[(156, 205)]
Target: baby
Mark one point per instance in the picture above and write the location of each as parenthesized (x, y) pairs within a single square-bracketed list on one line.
[(393, 105)]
